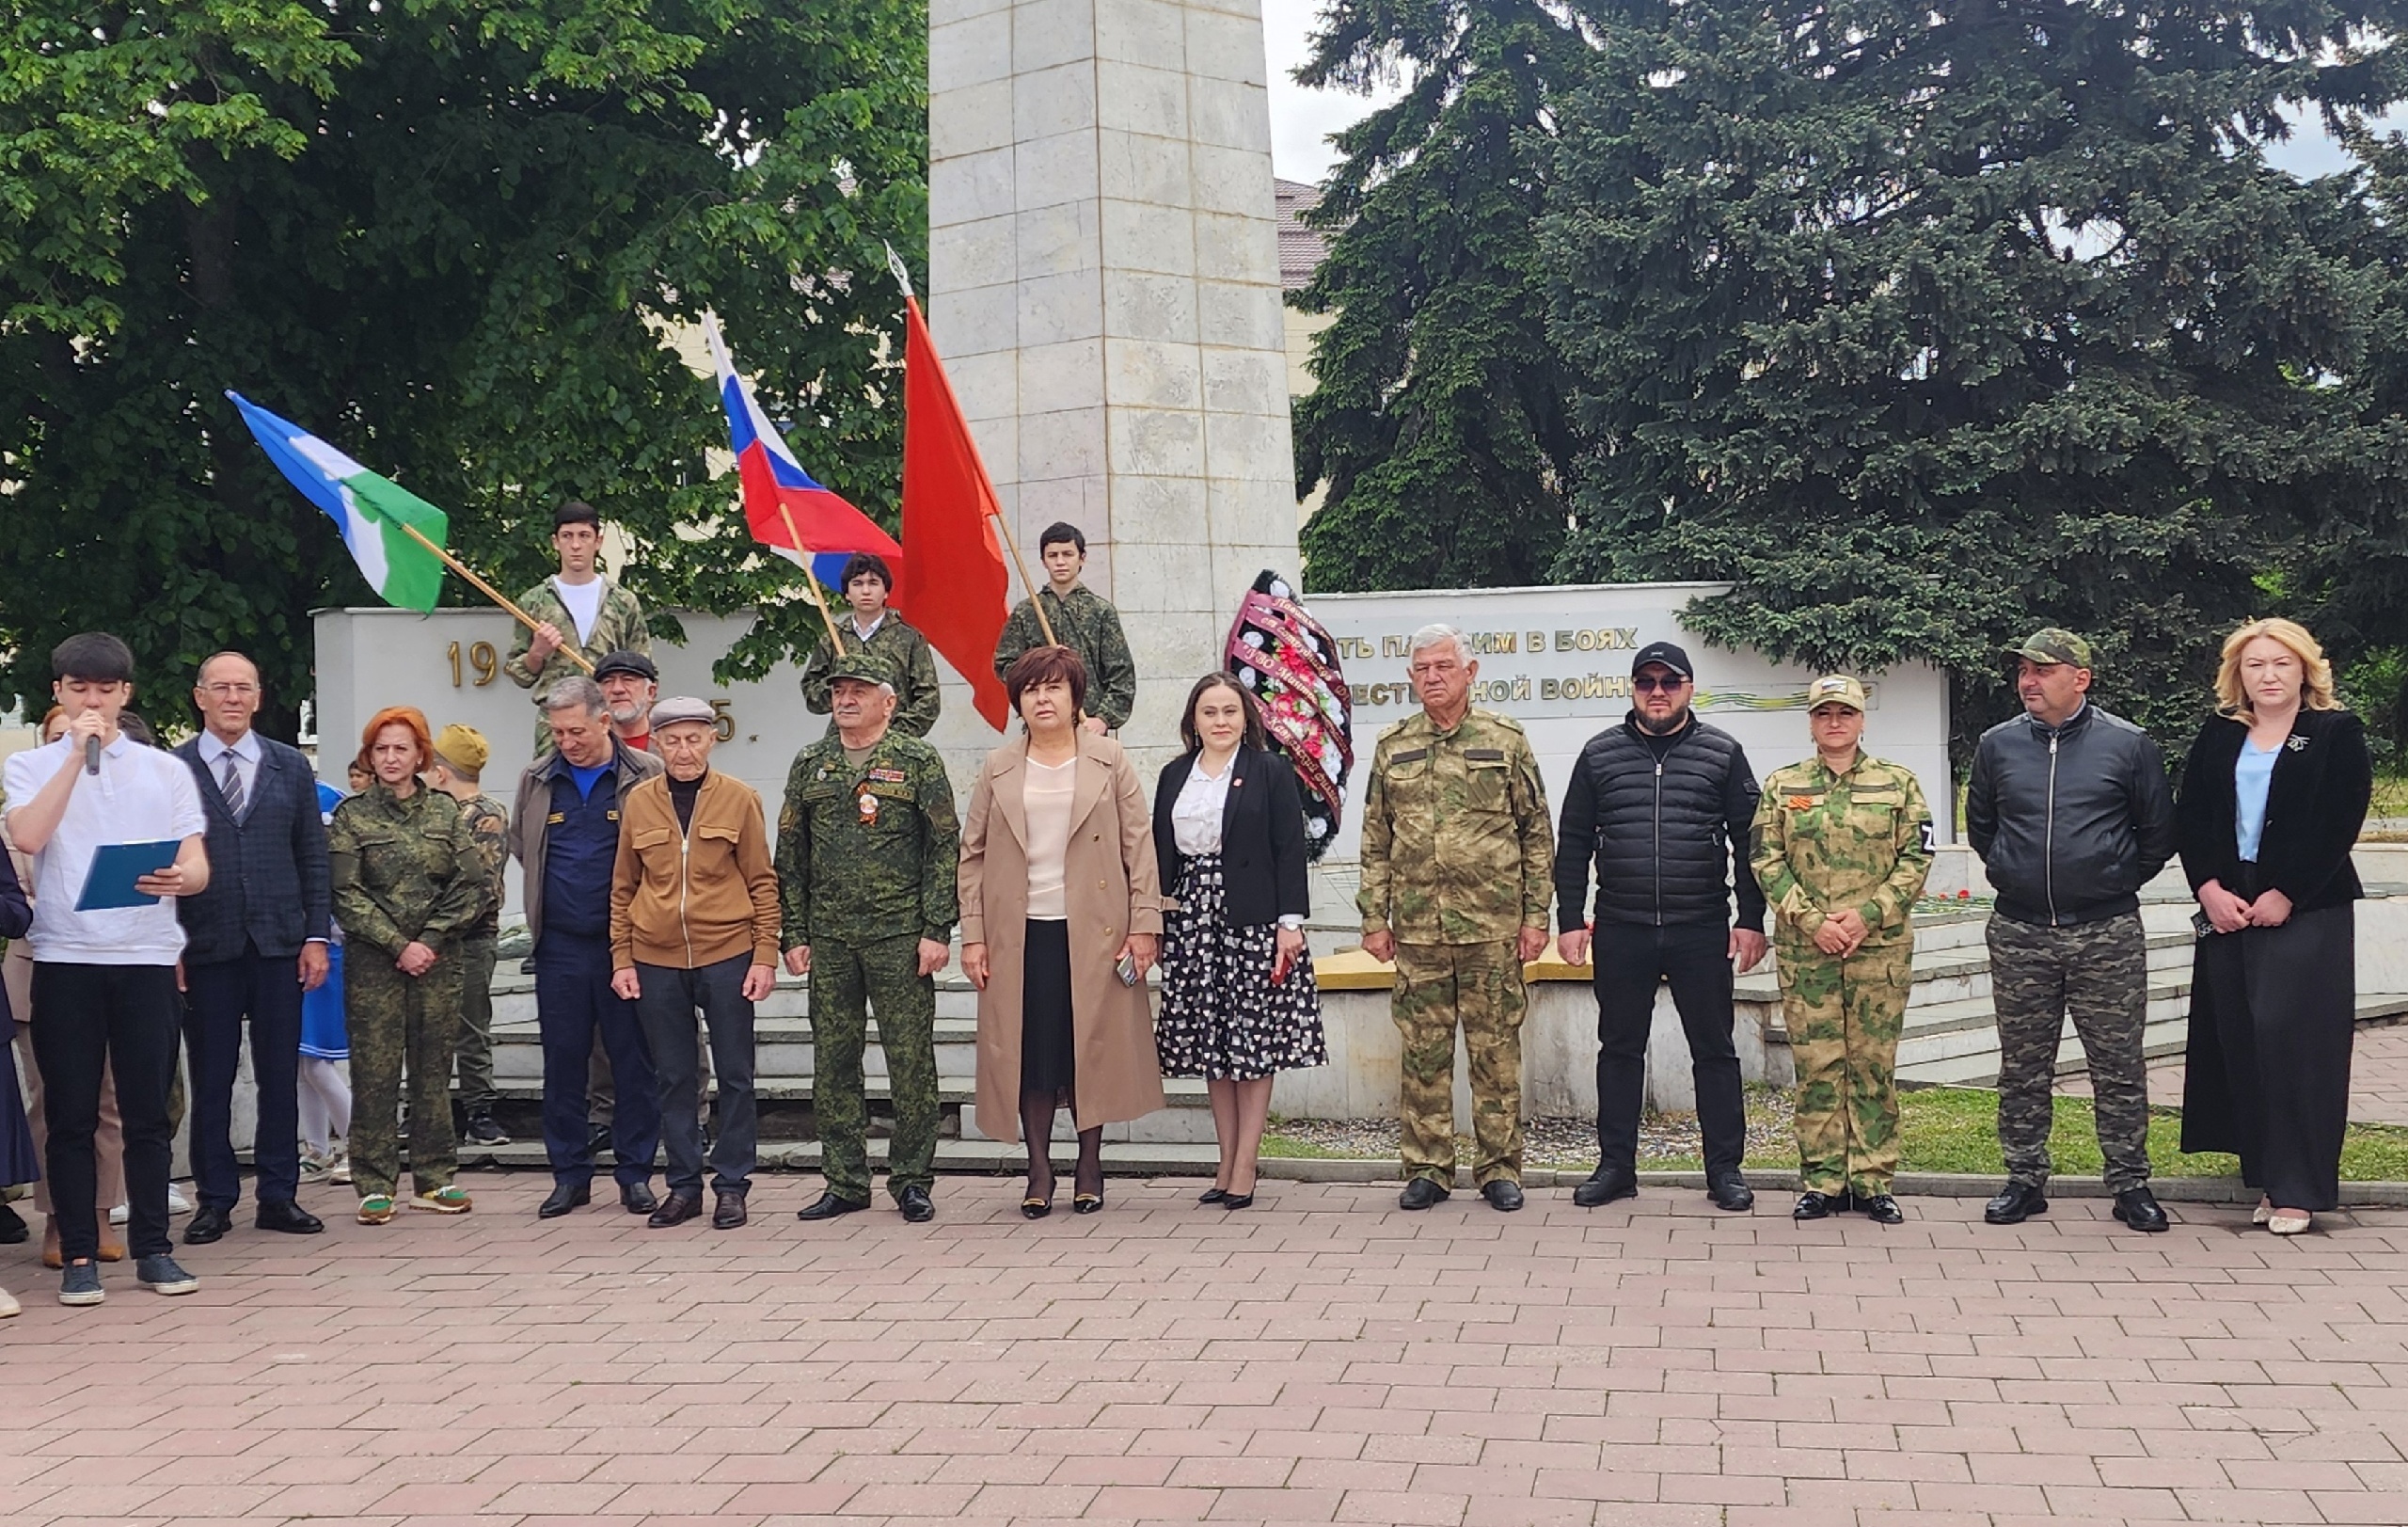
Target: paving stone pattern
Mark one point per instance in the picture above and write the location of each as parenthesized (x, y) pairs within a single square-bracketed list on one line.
[(2378, 1085), (1320, 1357)]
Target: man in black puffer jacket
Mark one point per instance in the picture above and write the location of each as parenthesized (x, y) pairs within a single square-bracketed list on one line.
[(1662, 805), (2070, 811)]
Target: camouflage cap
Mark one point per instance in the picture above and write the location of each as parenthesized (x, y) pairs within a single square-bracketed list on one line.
[(859, 663), (1835, 690), (2054, 645), (464, 748)]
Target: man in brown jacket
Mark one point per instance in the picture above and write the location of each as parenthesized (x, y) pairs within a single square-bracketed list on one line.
[(694, 925)]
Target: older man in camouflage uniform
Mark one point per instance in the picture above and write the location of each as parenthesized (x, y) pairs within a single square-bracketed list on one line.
[(1084, 621), (868, 849), (1458, 864), (603, 616), (1842, 844)]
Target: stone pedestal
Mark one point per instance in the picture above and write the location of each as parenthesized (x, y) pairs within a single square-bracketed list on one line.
[(1104, 286)]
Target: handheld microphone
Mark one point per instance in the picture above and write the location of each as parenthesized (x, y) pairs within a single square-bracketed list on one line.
[(91, 755)]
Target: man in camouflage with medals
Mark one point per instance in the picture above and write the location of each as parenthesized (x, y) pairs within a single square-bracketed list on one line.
[(868, 845), (1841, 843)]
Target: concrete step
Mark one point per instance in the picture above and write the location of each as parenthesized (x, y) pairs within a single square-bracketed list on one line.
[(993, 1158)]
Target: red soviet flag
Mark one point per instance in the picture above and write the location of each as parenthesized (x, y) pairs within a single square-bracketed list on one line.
[(954, 586)]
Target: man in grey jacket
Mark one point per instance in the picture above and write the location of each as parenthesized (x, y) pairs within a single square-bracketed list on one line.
[(2072, 812)]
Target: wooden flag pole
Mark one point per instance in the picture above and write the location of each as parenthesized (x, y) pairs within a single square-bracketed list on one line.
[(1034, 602), (810, 581), (489, 590)]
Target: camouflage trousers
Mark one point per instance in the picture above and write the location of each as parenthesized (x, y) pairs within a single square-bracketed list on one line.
[(1844, 1016), (473, 1051), (1478, 986), (401, 1022), (847, 981), (2097, 974)]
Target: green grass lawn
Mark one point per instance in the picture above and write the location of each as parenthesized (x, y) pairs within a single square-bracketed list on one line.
[(1956, 1130)]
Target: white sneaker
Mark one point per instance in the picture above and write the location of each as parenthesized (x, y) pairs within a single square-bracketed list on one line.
[(8, 1305), (313, 1163), (339, 1162), (176, 1202), (119, 1215)]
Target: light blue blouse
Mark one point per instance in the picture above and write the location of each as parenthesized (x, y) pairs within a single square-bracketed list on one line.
[(2253, 773)]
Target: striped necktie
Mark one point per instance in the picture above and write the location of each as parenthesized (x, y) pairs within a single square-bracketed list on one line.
[(230, 786)]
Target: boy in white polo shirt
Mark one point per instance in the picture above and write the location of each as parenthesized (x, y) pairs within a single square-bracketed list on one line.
[(104, 981)]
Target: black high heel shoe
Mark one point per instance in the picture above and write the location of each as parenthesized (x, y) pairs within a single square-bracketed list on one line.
[(1086, 1203), (1213, 1195), (1037, 1207), (1238, 1200)]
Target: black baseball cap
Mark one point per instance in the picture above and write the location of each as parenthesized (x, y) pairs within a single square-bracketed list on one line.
[(625, 662), (1665, 655)]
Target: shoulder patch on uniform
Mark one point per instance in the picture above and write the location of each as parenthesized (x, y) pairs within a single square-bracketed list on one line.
[(1922, 830)]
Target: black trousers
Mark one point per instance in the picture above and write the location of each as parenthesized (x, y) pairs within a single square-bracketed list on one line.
[(2284, 1007), (1630, 961), (665, 1008), (89, 1019), (217, 997)]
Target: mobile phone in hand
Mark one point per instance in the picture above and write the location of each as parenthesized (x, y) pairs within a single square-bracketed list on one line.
[(1125, 968)]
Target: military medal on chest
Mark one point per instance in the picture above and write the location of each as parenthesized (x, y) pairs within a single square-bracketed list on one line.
[(868, 809)]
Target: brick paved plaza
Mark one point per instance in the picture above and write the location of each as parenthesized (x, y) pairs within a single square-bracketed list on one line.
[(1322, 1357)]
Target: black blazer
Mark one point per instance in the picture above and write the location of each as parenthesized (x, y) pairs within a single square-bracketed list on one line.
[(2323, 779), (1263, 836), (269, 886)]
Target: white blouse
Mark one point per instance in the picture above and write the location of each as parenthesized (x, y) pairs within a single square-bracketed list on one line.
[(1196, 816), (1045, 794)]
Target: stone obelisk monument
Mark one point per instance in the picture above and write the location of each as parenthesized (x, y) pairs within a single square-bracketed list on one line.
[(1104, 286)]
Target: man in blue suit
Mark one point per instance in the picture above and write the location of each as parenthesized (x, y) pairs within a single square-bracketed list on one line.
[(255, 940)]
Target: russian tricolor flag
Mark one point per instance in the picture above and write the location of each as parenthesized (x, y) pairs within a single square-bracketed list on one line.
[(787, 510)]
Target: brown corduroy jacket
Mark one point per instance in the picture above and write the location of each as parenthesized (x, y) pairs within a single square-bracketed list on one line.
[(690, 897)]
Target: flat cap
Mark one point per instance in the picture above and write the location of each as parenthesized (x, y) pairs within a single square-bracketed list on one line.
[(683, 708), (625, 662)]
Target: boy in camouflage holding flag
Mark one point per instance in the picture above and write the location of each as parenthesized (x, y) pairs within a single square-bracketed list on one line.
[(1842, 844)]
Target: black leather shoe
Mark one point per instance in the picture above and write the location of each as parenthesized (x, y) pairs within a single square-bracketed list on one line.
[(290, 1218), (13, 1227), (730, 1213), (597, 1139), (1733, 1193), (1604, 1185), (1813, 1205), (2015, 1204), (2138, 1207), (1210, 1195), (1882, 1209), (636, 1198), (208, 1224), (916, 1206), (565, 1196), (1420, 1193), (830, 1206), (675, 1210), (1502, 1193)]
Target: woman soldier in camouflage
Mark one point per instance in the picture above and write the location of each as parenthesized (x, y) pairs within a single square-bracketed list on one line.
[(1842, 844), (409, 884)]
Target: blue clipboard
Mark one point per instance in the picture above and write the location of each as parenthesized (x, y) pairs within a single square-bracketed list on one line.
[(116, 867)]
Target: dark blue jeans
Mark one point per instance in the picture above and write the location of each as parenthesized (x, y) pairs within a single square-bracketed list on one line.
[(1630, 960), (217, 997), (573, 1002)]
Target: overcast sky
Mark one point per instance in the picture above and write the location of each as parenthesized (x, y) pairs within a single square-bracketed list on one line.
[(1302, 120)]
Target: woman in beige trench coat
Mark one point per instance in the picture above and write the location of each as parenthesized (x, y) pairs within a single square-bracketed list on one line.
[(1058, 887)]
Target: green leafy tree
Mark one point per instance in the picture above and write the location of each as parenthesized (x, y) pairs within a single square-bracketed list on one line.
[(1928, 326), (449, 237), (1439, 417)]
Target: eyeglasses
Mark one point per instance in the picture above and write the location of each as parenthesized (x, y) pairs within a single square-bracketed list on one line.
[(1649, 683), (222, 690)]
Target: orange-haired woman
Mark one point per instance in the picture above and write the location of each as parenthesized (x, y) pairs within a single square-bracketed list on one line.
[(408, 883)]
